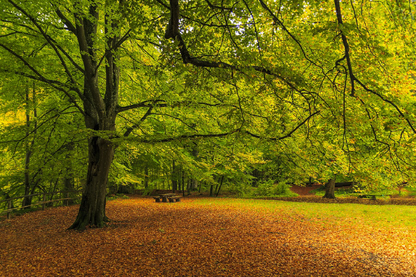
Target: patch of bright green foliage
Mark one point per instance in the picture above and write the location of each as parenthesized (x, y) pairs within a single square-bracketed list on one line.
[(354, 192), (411, 191), (267, 189)]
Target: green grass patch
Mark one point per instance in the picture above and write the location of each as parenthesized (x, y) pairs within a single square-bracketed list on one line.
[(330, 213), (350, 192)]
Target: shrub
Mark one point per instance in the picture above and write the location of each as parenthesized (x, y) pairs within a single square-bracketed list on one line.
[(269, 188)]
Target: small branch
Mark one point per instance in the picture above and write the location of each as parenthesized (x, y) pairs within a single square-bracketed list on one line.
[(217, 7), (113, 48), (144, 104), (177, 118), (288, 134), (195, 136), (130, 129)]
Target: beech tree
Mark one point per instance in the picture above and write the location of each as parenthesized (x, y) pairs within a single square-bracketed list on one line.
[(329, 76)]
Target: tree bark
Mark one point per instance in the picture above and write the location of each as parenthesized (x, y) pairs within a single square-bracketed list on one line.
[(330, 189), (92, 208), (174, 177), (28, 183), (219, 187), (99, 115)]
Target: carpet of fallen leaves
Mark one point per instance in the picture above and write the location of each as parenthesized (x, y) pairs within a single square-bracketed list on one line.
[(201, 237)]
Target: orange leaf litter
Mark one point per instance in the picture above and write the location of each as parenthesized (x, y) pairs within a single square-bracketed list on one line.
[(188, 238)]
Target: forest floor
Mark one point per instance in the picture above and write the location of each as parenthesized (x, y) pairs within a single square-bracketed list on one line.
[(211, 237)]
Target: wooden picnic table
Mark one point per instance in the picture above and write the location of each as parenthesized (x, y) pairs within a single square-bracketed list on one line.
[(171, 197)]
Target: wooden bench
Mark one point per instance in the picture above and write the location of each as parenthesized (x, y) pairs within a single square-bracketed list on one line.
[(167, 197), (157, 198), (176, 198), (368, 196)]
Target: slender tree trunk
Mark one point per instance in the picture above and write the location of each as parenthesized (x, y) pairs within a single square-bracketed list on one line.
[(310, 182), (193, 183), (330, 189), (183, 183), (174, 177), (28, 199), (219, 187), (146, 176), (69, 178)]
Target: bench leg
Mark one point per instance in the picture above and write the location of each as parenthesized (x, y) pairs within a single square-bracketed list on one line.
[(164, 199)]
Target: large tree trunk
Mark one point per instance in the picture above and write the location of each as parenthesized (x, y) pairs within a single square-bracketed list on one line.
[(330, 189), (92, 208)]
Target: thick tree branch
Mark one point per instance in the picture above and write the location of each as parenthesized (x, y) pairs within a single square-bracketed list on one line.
[(66, 21), (346, 47), (113, 47), (173, 27), (85, 30)]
